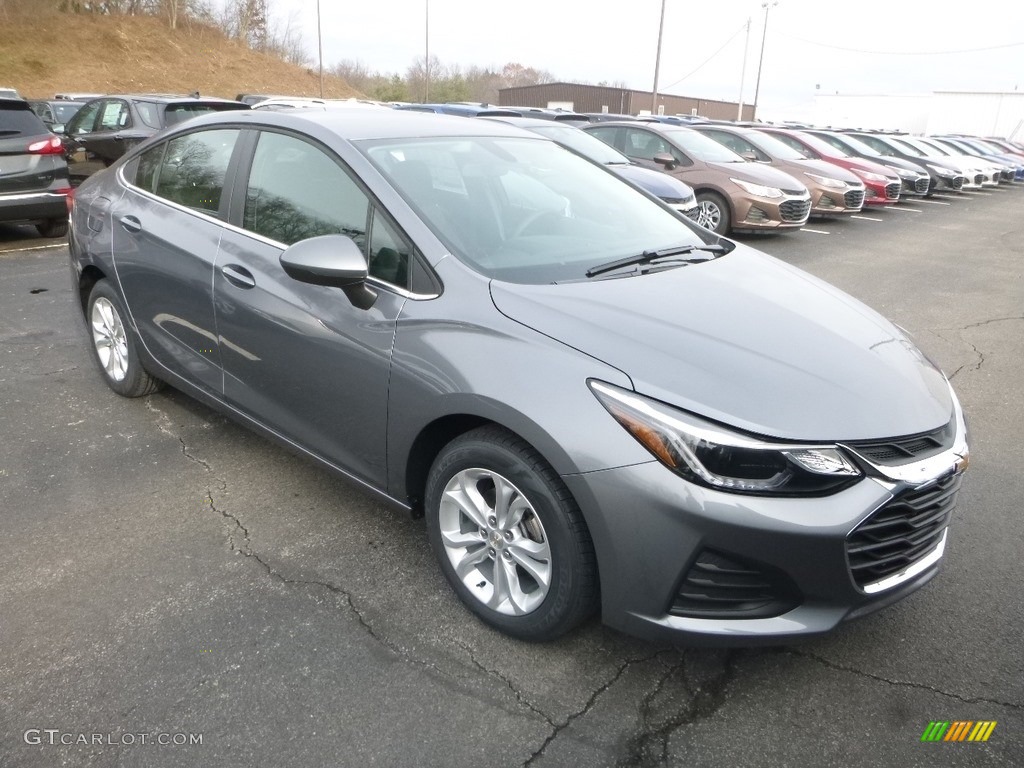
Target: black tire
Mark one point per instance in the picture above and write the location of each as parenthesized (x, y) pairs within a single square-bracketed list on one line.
[(114, 346), (714, 213), (552, 522), (53, 228)]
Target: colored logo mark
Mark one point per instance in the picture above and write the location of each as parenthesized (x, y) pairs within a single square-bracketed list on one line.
[(958, 730)]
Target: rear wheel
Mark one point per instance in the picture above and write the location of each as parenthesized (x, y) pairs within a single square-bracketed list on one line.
[(713, 212), (509, 536), (53, 228), (113, 345)]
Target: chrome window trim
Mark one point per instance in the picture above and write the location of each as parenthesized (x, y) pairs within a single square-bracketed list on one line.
[(33, 196)]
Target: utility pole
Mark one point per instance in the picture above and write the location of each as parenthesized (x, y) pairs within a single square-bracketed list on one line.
[(657, 61), (743, 72), (426, 56), (320, 46), (767, 5)]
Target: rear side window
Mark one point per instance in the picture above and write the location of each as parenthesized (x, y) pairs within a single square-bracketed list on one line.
[(190, 171), (149, 113), (297, 191), (20, 122)]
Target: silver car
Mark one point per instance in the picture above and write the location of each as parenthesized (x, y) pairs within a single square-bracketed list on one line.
[(595, 403)]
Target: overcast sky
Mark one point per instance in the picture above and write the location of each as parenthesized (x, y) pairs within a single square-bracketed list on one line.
[(812, 47)]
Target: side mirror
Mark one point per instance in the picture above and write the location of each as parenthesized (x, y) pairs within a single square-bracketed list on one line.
[(665, 159), (750, 156), (334, 261), (58, 128)]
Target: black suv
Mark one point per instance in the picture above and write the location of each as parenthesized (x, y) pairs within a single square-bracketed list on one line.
[(33, 175), (106, 128)]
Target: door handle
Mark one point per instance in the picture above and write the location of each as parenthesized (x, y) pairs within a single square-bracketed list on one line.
[(238, 276), (131, 224)]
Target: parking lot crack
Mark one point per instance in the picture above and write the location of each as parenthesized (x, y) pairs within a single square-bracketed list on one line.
[(557, 728), (663, 711), (520, 697), (902, 683)]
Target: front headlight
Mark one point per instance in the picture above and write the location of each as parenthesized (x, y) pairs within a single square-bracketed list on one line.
[(903, 173), (825, 181), (757, 189), (869, 176), (709, 454), (942, 171)]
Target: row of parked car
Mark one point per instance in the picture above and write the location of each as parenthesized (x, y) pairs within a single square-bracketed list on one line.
[(728, 176)]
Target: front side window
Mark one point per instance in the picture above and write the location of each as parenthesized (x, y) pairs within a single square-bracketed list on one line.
[(192, 169), (297, 191), (84, 121)]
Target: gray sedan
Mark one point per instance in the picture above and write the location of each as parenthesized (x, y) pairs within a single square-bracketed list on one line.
[(594, 402)]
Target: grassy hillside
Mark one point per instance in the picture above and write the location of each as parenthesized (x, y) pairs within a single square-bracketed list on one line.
[(135, 54)]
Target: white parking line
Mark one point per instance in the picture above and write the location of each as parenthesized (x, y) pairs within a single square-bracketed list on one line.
[(865, 218), (907, 210), (33, 248), (815, 231), (933, 202)]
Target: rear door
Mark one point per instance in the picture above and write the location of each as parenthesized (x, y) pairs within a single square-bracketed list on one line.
[(166, 231)]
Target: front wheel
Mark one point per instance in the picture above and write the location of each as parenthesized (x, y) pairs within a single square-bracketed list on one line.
[(113, 345), (713, 213), (509, 536)]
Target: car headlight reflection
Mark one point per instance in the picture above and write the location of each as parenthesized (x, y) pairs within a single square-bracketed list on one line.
[(708, 454), (759, 190)]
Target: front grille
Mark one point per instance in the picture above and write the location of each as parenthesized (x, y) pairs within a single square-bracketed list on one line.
[(795, 210), (892, 191), (921, 185), (717, 586), (958, 182), (902, 531), (901, 450), (854, 198)]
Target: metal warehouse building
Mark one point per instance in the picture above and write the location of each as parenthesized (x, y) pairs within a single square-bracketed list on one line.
[(598, 98)]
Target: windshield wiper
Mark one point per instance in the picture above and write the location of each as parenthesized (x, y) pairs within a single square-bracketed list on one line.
[(649, 257)]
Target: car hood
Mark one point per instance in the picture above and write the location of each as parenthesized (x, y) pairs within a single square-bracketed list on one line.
[(825, 168), (657, 183), (761, 174), (748, 341)]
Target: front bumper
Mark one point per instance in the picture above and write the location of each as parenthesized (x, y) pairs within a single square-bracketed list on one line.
[(653, 532), (757, 214)]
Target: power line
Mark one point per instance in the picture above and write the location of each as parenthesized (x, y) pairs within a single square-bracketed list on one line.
[(901, 53), (709, 58)]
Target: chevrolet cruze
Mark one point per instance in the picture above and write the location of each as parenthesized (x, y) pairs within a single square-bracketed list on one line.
[(595, 403)]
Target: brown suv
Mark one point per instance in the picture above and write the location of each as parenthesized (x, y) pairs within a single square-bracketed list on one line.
[(834, 191), (733, 195)]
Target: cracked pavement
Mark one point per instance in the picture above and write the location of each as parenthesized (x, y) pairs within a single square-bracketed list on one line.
[(168, 571)]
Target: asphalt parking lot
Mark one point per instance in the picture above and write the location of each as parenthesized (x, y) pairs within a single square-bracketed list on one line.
[(169, 576)]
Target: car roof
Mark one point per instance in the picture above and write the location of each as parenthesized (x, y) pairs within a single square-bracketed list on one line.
[(168, 98), (370, 123)]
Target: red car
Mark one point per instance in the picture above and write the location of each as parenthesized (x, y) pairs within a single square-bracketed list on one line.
[(882, 186)]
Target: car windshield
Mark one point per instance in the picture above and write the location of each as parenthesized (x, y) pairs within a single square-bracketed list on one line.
[(822, 147), (525, 210), (582, 142), (65, 110), (20, 121), (179, 113), (773, 146), (911, 146), (859, 146), (702, 147), (938, 149)]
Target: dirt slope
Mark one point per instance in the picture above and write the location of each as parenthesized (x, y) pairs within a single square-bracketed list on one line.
[(136, 54)]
